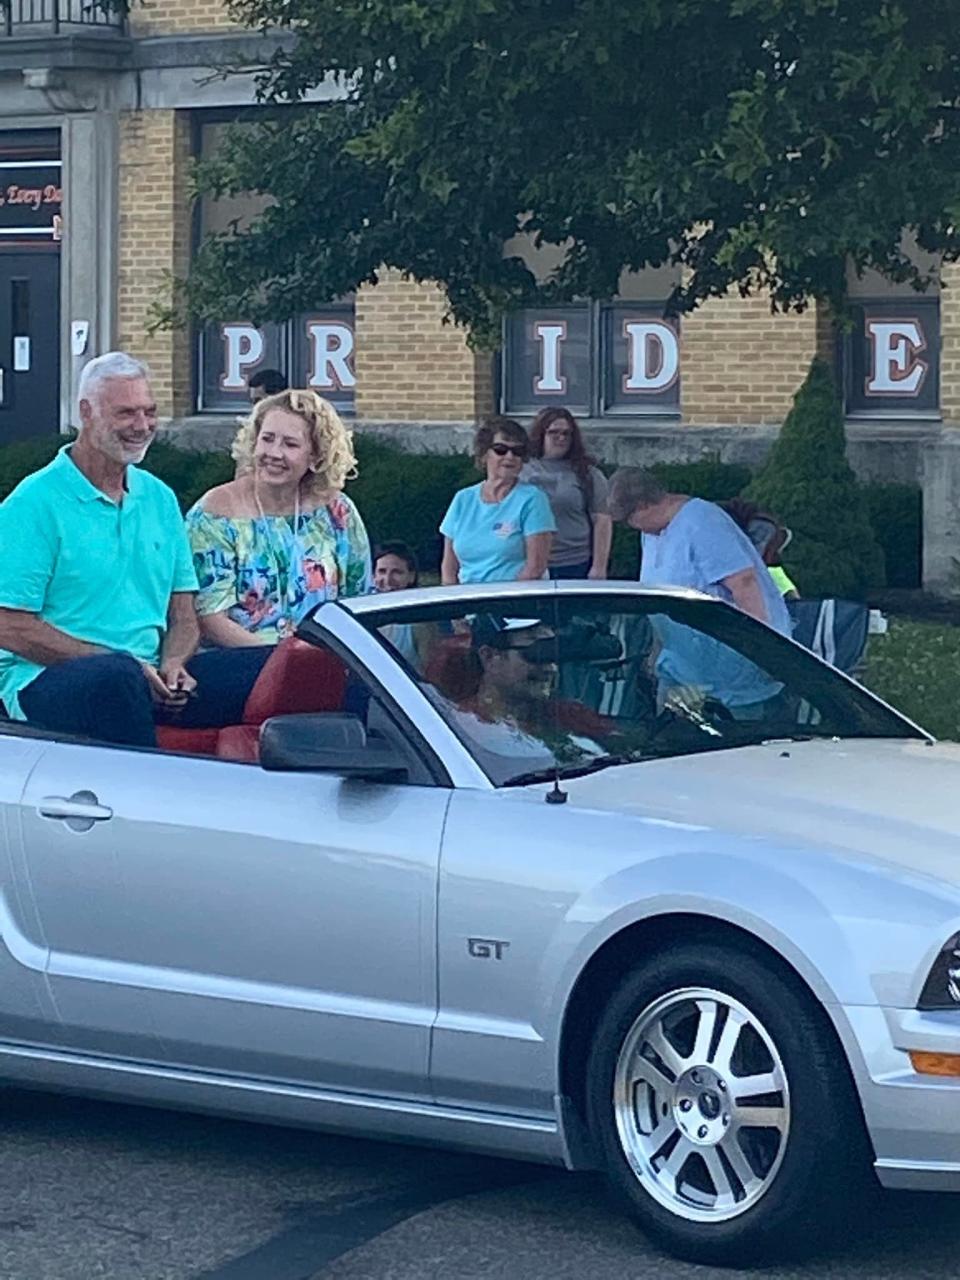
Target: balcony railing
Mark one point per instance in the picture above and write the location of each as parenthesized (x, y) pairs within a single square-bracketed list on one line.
[(55, 17)]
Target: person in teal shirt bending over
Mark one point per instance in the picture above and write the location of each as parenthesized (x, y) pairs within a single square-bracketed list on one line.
[(499, 530), (97, 620)]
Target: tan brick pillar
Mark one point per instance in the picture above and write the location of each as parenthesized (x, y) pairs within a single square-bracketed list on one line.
[(154, 242), (741, 364), (950, 343), (411, 366)]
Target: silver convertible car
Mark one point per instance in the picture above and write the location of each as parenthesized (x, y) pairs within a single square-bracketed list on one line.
[(572, 872)]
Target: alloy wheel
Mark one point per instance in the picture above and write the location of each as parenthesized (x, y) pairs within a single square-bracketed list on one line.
[(702, 1104)]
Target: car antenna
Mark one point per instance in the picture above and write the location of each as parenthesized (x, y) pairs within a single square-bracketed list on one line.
[(557, 795)]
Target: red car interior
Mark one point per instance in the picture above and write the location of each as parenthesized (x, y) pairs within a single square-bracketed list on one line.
[(297, 677)]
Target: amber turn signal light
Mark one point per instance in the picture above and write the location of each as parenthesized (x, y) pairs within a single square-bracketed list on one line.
[(935, 1064)]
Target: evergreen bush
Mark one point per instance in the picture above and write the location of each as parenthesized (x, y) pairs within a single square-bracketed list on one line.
[(406, 495), (707, 478), (807, 483), (23, 457), (896, 514), (189, 473)]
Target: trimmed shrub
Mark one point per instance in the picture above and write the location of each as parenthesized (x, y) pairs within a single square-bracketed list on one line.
[(405, 495), (707, 478), (809, 485), (896, 516), (23, 457), (189, 473)]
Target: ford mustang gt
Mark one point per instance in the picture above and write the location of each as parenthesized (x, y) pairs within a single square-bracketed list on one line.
[(573, 872)]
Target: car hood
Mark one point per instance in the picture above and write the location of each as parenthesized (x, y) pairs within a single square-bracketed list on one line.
[(894, 801)]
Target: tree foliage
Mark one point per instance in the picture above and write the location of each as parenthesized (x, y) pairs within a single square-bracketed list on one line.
[(755, 143), (808, 483)]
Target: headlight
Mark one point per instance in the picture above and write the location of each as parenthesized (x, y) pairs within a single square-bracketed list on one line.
[(942, 988)]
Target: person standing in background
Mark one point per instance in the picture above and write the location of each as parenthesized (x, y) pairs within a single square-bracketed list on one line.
[(265, 382), (578, 493), (688, 542), (501, 529)]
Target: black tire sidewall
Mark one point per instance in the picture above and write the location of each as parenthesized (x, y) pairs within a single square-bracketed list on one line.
[(824, 1153)]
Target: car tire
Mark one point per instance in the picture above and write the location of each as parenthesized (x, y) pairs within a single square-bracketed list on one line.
[(756, 1148)]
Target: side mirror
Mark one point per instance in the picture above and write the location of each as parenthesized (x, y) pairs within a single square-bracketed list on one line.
[(324, 742)]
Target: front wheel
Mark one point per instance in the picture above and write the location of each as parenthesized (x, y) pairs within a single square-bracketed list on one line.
[(723, 1109)]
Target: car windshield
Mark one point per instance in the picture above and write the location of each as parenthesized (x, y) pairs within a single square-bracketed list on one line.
[(568, 684)]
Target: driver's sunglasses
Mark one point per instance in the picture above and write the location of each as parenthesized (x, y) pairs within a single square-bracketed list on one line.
[(540, 652), (501, 450)]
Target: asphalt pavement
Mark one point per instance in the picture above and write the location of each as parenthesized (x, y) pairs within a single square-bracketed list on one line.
[(92, 1190)]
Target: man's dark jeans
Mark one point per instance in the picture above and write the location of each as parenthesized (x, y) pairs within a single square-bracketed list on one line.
[(107, 697)]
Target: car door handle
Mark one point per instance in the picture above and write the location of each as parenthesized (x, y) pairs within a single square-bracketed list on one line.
[(79, 811)]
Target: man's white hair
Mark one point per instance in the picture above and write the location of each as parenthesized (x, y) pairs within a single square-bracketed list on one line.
[(115, 364)]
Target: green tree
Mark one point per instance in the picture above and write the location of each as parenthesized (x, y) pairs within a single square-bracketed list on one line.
[(757, 143), (808, 483)]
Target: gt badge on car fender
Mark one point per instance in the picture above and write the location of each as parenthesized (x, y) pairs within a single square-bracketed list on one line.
[(486, 948)]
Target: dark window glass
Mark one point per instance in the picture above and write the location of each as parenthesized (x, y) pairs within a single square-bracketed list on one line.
[(324, 356), (547, 360), (641, 359), (230, 354), (892, 357), (531, 684)]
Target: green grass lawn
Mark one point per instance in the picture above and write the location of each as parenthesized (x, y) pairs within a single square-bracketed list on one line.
[(916, 668)]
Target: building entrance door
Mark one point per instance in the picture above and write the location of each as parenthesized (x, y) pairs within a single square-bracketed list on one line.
[(29, 344)]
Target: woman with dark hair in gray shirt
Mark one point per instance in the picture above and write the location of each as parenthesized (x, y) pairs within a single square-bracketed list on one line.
[(560, 466)]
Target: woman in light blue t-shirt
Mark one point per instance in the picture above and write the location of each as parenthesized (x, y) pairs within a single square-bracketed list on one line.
[(499, 530)]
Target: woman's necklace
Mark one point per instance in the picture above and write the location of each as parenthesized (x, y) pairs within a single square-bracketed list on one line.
[(285, 584)]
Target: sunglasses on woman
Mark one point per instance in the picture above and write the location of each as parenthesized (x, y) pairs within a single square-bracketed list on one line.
[(501, 450)]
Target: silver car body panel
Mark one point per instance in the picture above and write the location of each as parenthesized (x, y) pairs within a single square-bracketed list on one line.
[(225, 917), (536, 1138), (399, 960)]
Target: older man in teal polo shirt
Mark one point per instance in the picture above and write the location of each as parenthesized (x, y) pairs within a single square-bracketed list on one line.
[(97, 620)]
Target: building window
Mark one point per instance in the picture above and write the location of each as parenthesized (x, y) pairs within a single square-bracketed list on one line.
[(597, 359), (892, 358), (891, 353), (314, 350)]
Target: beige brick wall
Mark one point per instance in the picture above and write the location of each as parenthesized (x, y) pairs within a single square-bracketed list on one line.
[(154, 240), (950, 343), (740, 364), (174, 17), (410, 365)]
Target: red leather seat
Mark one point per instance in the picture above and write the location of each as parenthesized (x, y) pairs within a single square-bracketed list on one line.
[(193, 742), (453, 668), (297, 677)]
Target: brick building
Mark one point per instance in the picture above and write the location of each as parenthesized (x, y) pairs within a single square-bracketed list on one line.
[(99, 123)]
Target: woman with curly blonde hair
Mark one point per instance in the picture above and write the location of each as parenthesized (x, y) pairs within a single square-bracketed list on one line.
[(282, 537)]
